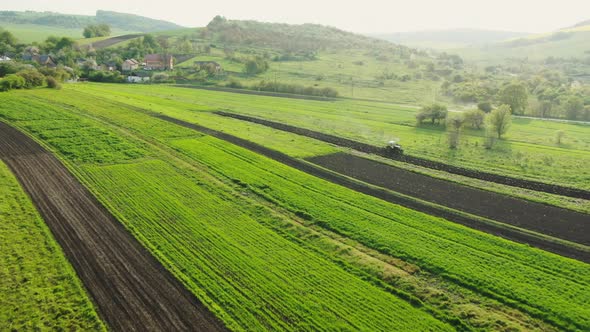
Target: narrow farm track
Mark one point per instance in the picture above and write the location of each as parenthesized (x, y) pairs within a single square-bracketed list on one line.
[(132, 290), (367, 148), (455, 216), (546, 219), (114, 40)]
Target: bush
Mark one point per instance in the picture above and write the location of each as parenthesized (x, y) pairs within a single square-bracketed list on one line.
[(52, 83), (59, 74), (162, 78), (255, 66), (105, 76), (12, 81), (7, 68), (475, 118), (235, 84), (32, 78), (296, 89)]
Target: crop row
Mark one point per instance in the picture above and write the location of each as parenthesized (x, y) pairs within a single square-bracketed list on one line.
[(38, 288), (528, 151), (513, 273), (250, 276)]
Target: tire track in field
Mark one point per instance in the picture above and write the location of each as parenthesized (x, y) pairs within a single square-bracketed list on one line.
[(131, 289), (439, 211), (367, 148)]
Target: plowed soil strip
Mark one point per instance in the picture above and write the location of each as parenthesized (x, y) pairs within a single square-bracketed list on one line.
[(132, 290), (387, 195), (550, 220), (367, 148)]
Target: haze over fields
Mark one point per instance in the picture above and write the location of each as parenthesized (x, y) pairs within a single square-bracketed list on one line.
[(295, 166)]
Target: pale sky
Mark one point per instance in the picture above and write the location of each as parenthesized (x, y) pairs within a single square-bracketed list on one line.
[(368, 16)]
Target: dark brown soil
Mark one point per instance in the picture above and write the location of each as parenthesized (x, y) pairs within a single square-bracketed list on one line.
[(367, 148), (451, 215), (130, 288), (550, 220), (114, 40)]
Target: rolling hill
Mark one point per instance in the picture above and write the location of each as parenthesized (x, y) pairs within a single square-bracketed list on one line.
[(446, 39), (569, 42), (32, 26)]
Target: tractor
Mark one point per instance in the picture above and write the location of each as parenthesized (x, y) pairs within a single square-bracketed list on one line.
[(393, 147)]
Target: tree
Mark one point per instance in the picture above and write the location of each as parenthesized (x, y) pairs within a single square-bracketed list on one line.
[(422, 116), (97, 30), (574, 106), (255, 66), (434, 112), (485, 106), (559, 135), (499, 120), (7, 68), (7, 42), (545, 108), (516, 96), (455, 122), (475, 118)]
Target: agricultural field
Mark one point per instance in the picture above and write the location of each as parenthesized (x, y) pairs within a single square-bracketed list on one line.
[(201, 205), (40, 290), (528, 151)]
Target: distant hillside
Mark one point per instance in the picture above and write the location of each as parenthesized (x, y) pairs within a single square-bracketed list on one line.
[(304, 37), (445, 39), (571, 42), (581, 24), (117, 21)]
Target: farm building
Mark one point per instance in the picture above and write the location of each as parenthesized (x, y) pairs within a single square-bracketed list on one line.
[(43, 60), (4, 58), (130, 64), (159, 62)]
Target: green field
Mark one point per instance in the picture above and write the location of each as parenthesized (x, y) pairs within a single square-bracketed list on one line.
[(39, 289), (527, 151), (29, 33), (575, 42), (268, 247)]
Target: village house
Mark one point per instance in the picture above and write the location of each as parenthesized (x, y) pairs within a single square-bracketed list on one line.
[(4, 58), (110, 66), (130, 64), (43, 60), (159, 62)]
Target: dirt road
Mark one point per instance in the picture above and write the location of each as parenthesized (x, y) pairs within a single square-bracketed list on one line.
[(131, 289)]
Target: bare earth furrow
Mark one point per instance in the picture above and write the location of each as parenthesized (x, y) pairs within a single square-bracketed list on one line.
[(131, 289), (387, 195)]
